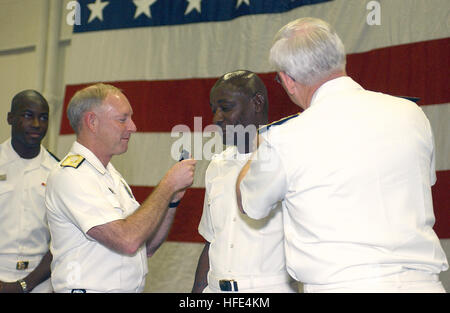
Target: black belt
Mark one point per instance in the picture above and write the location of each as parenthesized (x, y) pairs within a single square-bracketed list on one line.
[(228, 285)]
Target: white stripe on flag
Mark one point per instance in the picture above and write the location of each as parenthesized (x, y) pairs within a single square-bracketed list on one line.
[(175, 52)]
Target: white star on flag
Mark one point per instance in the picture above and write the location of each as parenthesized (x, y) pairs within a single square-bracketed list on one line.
[(193, 4), (96, 10), (143, 7), (239, 2)]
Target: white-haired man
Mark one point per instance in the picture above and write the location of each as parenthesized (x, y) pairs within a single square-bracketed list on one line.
[(101, 236), (354, 172)]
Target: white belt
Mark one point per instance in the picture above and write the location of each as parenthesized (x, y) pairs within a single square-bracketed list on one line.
[(403, 277), (248, 282)]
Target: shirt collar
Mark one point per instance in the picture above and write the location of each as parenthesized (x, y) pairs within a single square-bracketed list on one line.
[(334, 85), (47, 160), (78, 148), (8, 154)]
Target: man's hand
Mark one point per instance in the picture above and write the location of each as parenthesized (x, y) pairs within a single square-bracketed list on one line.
[(179, 177)]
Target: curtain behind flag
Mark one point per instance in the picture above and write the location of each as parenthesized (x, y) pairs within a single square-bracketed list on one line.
[(166, 55)]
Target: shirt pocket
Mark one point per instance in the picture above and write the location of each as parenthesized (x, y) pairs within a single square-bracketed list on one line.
[(5, 188), (35, 184), (34, 206), (6, 194), (36, 189), (131, 205), (115, 203), (217, 205)]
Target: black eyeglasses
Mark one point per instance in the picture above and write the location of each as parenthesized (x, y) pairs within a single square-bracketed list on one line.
[(277, 79)]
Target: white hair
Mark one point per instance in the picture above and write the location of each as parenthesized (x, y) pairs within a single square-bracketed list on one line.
[(307, 49), (85, 100)]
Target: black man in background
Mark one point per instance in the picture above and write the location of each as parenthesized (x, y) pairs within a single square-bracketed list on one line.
[(24, 166)]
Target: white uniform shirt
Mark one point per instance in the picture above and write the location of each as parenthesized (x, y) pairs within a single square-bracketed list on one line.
[(78, 199), (24, 233), (354, 172), (240, 247)]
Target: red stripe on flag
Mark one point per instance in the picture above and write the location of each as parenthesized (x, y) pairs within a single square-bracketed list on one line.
[(418, 70), (185, 226), (160, 105), (441, 203), (188, 215)]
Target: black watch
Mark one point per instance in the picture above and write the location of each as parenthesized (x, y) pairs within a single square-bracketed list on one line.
[(174, 204)]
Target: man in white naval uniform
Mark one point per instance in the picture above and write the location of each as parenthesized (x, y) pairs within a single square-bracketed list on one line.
[(24, 167), (240, 254), (101, 236), (354, 172)]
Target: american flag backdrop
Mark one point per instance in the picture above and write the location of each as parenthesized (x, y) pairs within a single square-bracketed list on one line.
[(166, 55)]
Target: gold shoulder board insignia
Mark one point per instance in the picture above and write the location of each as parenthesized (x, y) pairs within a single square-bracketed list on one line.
[(72, 161), (264, 128)]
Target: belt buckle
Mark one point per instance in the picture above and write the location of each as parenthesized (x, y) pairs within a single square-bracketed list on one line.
[(22, 265), (228, 285)]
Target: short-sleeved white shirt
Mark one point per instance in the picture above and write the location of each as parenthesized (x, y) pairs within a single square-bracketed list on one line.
[(239, 246), (354, 172), (78, 199), (24, 233)]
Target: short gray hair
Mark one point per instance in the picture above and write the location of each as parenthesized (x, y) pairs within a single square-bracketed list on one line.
[(307, 49), (86, 99)]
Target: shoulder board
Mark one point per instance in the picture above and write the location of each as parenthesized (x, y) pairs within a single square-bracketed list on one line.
[(413, 99), (72, 161), (264, 128), (54, 156)]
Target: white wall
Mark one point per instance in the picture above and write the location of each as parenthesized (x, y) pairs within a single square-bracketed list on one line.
[(26, 57)]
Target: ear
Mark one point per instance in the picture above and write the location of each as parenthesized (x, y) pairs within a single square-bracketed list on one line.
[(10, 118), (90, 120), (288, 82), (258, 102)]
